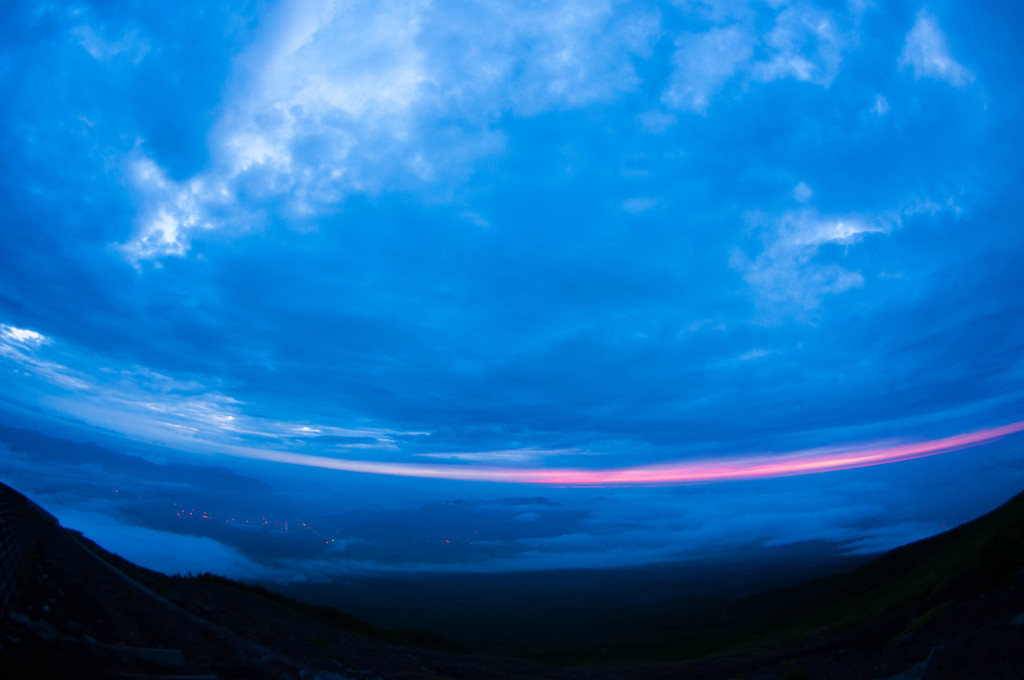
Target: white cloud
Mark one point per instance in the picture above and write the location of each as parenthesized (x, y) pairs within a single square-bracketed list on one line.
[(804, 44), (802, 192), (526, 455), (656, 121), (22, 336), (334, 99), (21, 347), (703, 63), (786, 273), (476, 218), (927, 53), (881, 106), (170, 211), (323, 78), (536, 57), (153, 407), (638, 205), (163, 551), (130, 45), (718, 11), (858, 7)]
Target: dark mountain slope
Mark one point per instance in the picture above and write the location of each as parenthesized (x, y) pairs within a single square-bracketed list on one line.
[(82, 612), (922, 593), (948, 607)]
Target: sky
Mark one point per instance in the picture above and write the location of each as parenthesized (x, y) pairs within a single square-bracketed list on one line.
[(602, 275)]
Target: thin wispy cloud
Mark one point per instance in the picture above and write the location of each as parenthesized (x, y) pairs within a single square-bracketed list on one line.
[(138, 401), (703, 63), (11, 335), (515, 456), (786, 271), (813, 461), (804, 44), (129, 45), (927, 54)]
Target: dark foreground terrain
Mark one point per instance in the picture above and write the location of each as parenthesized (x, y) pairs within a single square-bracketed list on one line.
[(549, 614), (948, 607)]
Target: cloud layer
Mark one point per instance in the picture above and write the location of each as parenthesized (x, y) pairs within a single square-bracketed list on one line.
[(597, 236)]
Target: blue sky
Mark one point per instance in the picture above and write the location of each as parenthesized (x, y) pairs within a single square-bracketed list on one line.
[(547, 235)]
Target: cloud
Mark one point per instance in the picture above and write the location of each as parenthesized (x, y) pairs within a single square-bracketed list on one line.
[(163, 551), (717, 11), (802, 192), (639, 204), (656, 121), (332, 101), (927, 53), (140, 402), (20, 346), (22, 336), (130, 45), (171, 210), (858, 511), (881, 106), (562, 325), (786, 273), (703, 63), (804, 44), (710, 470), (509, 456), (544, 56), (790, 276)]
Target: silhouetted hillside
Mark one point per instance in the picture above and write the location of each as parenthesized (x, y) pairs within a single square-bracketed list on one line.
[(948, 607), (975, 558)]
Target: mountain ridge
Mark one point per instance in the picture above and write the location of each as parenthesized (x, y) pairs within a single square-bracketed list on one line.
[(931, 609)]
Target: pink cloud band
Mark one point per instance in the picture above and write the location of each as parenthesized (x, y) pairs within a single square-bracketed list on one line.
[(761, 466)]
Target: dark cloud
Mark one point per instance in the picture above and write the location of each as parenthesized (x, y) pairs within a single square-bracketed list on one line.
[(384, 257)]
